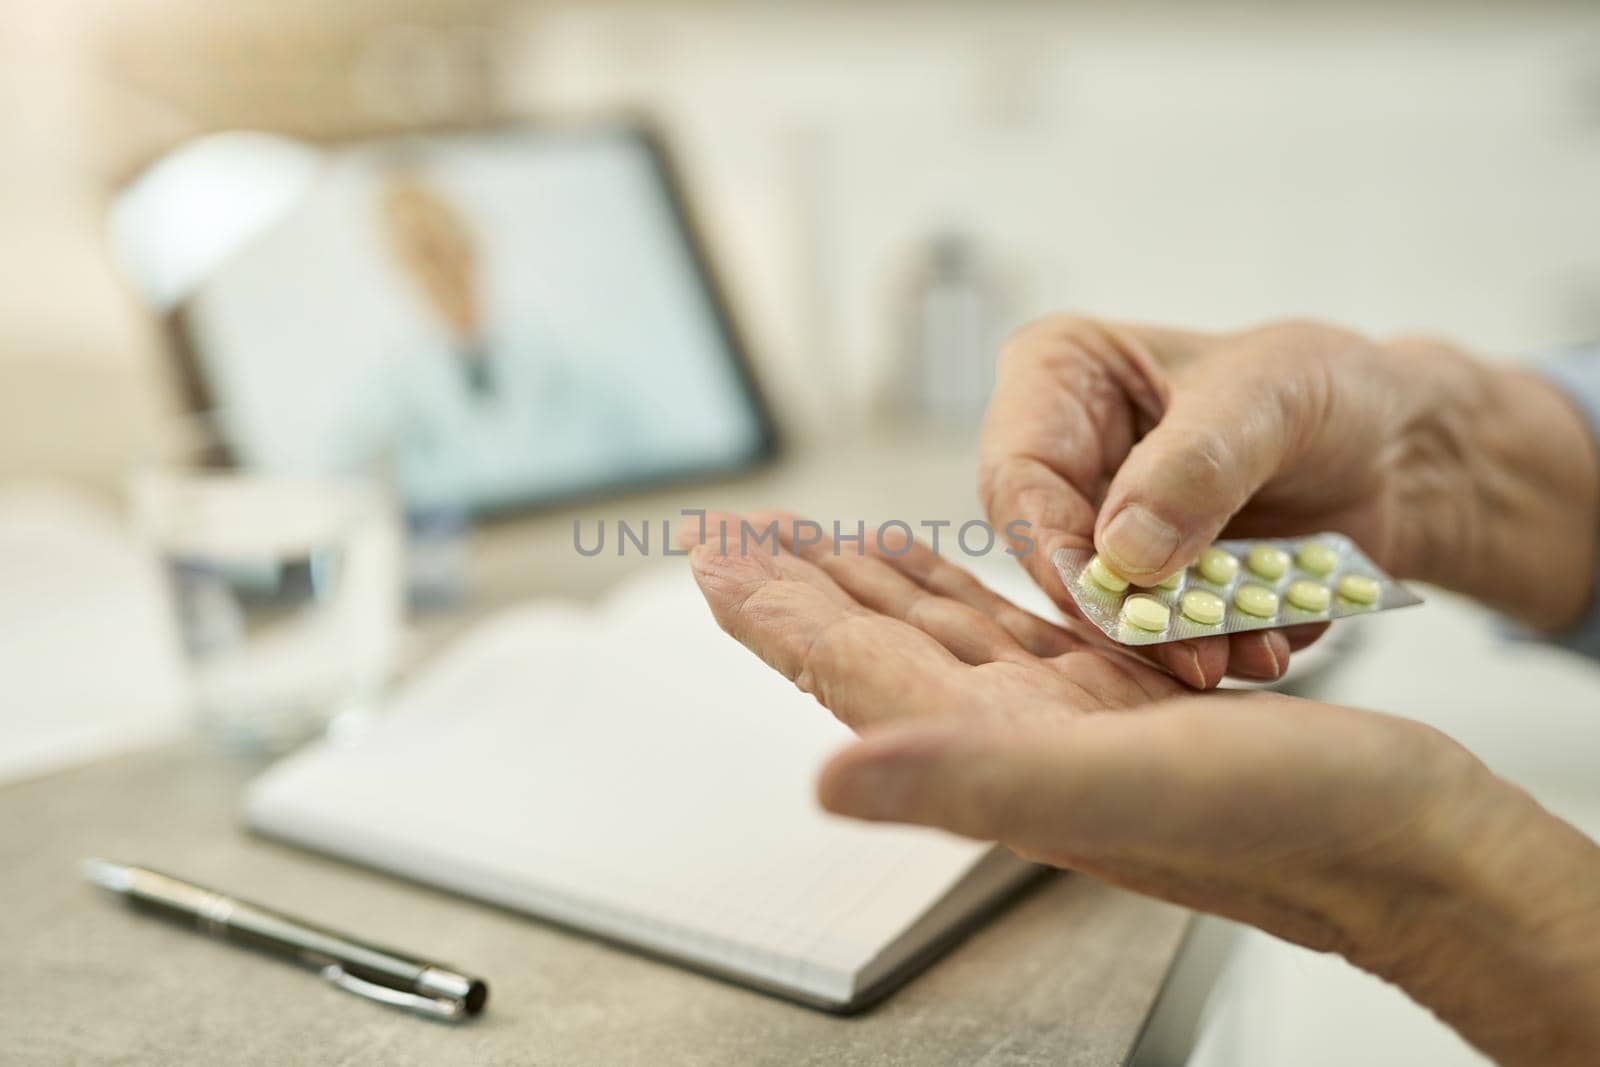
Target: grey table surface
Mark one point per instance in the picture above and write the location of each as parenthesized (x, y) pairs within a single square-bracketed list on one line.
[(1069, 974)]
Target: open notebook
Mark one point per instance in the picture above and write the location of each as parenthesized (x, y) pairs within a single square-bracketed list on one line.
[(631, 772)]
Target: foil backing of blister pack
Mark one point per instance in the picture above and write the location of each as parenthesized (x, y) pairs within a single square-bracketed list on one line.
[(1104, 608)]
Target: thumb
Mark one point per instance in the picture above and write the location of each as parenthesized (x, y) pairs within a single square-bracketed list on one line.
[(1051, 787), (1223, 435)]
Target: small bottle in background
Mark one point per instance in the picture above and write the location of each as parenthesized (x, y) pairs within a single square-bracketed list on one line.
[(952, 334)]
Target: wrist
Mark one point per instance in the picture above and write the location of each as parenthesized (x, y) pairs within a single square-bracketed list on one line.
[(1499, 487), (1492, 920)]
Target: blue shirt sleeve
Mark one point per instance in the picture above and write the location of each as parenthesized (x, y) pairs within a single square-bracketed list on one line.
[(1577, 374)]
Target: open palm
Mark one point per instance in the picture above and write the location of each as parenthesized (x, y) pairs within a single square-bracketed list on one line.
[(981, 718), (896, 631)]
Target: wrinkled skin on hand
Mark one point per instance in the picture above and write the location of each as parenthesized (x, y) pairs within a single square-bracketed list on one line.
[(1343, 830), (1147, 444)]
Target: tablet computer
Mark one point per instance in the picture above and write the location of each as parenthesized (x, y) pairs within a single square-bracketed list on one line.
[(497, 319)]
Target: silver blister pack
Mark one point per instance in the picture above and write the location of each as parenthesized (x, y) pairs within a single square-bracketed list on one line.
[(1104, 608)]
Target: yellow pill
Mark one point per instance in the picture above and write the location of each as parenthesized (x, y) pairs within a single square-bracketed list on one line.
[(1360, 588), (1317, 558), (1168, 584), (1202, 606), (1217, 566), (1312, 596), (1256, 600), (1268, 561), (1146, 613), (1105, 577)]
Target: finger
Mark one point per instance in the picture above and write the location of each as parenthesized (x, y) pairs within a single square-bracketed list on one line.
[(1200, 663), (1302, 636), (1074, 790), (1070, 398), (1109, 676), (1056, 789), (1176, 780), (1262, 655), (1051, 510), (1231, 424), (920, 564), (1061, 418), (1072, 679), (1107, 673), (970, 635), (1039, 512), (1235, 809), (864, 667)]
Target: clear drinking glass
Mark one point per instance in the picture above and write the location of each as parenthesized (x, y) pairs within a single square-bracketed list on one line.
[(287, 589)]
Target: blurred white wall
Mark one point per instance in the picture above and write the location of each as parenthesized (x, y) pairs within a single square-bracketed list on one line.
[(1431, 168), (77, 381)]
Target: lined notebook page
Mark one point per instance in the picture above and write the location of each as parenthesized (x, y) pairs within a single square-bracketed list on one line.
[(633, 772)]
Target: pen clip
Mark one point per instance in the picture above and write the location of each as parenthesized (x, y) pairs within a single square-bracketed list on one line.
[(432, 1007)]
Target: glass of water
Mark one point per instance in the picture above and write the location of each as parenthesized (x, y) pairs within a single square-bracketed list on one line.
[(286, 589)]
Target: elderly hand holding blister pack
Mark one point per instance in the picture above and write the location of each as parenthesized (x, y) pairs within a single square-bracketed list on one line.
[(1331, 469)]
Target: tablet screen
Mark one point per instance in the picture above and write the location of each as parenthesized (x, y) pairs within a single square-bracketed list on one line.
[(495, 319)]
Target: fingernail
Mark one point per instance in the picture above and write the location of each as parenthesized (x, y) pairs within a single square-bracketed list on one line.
[(1272, 656), (1184, 662), (1196, 674), (1138, 542)]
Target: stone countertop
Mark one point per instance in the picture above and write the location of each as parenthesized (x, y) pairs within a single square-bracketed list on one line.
[(1068, 974)]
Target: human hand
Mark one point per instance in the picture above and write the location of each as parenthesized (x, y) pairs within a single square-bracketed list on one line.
[(1343, 830), (1150, 443), (892, 629)]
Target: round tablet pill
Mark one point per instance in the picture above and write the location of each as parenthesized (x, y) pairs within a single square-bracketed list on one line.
[(1360, 588), (1268, 561), (1167, 584), (1216, 566), (1317, 558), (1256, 600), (1105, 577), (1312, 596), (1202, 606), (1146, 613)]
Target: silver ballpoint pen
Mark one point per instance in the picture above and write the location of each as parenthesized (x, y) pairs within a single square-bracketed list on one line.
[(380, 974)]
